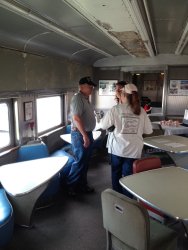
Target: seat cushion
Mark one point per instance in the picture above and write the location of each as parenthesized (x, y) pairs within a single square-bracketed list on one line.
[(66, 169), (5, 208), (53, 140), (32, 151), (6, 219)]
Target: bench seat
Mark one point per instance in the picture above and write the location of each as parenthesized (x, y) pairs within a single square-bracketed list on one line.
[(65, 171), (6, 219)]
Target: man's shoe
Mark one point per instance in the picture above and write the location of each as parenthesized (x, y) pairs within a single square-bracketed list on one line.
[(71, 192), (87, 190)]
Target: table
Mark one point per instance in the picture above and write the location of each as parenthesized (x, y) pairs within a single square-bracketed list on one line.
[(67, 137), (164, 189), (170, 143), (171, 130), (25, 181), (175, 146)]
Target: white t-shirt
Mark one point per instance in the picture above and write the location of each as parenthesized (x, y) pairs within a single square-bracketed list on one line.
[(126, 140)]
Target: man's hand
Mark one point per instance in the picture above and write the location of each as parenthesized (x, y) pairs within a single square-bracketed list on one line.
[(80, 127), (86, 141)]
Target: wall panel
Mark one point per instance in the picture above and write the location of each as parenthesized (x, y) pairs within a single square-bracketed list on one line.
[(176, 104), (25, 72), (12, 73)]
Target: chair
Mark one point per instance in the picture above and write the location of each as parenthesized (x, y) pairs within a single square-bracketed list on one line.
[(144, 165), (129, 227), (32, 151), (6, 219)]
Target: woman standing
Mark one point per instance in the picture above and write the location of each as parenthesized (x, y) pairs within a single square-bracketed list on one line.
[(126, 142)]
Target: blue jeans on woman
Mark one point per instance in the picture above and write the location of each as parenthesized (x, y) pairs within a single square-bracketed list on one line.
[(120, 167), (78, 173)]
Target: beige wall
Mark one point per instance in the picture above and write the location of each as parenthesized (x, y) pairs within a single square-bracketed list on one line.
[(176, 104), (22, 76), (24, 72)]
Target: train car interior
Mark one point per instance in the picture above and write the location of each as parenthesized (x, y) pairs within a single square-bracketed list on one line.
[(45, 48)]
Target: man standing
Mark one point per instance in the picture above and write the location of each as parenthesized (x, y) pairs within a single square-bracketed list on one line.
[(82, 124)]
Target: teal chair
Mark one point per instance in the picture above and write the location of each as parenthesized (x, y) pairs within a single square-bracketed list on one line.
[(6, 219), (129, 227), (32, 151)]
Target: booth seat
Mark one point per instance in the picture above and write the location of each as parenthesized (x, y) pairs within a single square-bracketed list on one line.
[(32, 151), (54, 142), (65, 171), (6, 219), (40, 150), (58, 147)]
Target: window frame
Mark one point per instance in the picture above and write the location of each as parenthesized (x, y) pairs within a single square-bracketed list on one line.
[(9, 103), (62, 113)]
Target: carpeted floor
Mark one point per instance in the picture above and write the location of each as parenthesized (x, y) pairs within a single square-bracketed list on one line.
[(72, 223)]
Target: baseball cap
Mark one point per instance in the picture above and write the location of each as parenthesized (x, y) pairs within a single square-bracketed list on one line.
[(87, 80), (129, 88)]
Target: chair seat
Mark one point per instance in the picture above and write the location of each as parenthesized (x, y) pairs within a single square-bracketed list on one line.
[(6, 219)]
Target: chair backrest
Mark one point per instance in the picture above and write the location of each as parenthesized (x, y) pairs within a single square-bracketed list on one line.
[(126, 221), (32, 151), (145, 164)]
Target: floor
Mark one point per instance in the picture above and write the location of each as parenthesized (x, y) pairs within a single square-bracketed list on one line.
[(74, 223)]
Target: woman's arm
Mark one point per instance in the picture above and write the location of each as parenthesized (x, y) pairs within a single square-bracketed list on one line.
[(107, 121)]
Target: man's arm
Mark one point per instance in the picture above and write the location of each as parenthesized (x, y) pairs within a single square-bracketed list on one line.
[(80, 126)]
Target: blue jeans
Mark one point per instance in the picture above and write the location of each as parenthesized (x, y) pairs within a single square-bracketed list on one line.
[(78, 173), (120, 167)]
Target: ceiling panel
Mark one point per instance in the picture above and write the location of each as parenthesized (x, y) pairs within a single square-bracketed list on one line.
[(18, 25), (169, 18), (70, 20), (88, 30)]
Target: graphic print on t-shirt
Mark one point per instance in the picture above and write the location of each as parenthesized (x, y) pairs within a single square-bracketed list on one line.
[(129, 124)]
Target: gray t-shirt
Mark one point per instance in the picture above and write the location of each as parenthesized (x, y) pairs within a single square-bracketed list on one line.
[(81, 106)]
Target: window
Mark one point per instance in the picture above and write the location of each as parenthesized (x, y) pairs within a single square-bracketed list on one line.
[(6, 125), (16, 121), (49, 113)]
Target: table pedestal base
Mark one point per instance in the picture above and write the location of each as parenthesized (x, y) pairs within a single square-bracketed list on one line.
[(24, 205)]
